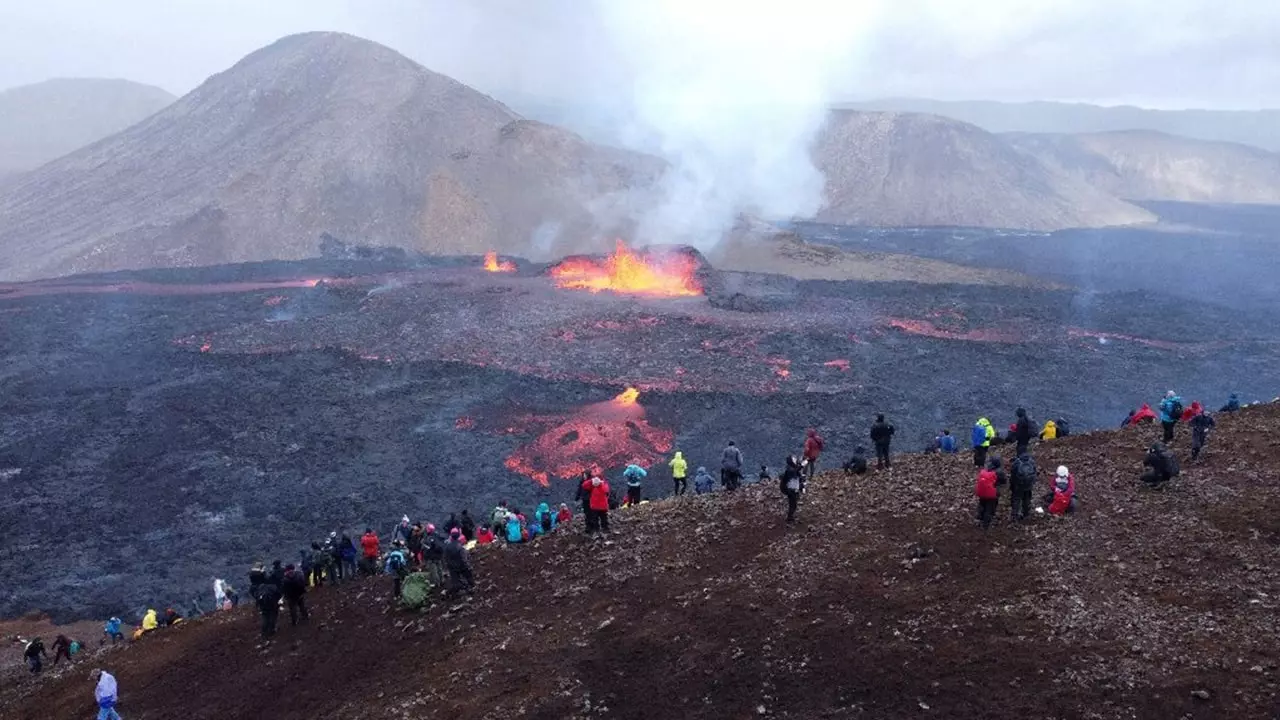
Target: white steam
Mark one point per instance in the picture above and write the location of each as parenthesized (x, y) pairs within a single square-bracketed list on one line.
[(732, 95)]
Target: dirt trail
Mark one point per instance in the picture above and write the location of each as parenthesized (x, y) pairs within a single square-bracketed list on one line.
[(883, 601)]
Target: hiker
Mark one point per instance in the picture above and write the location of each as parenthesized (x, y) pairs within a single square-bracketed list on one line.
[(306, 563), (881, 436), (1010, 436), (1022, 431), (945, 444), (983, 434), (397, 565), (1050, 431), (171, 618), (1201, 424), (514, 530), (703, 482), (294, 590), (369, 552), (35, 655), (543, 519), (433, 553), (598, 513), (1063, 492), (404, 528), (634, 475), (1161, 466), (564, 516), (61, 648), (498, 518), (857, 464), (1195, 409), (267, 595), (458, 562), (484, 535), (763, 475), (1063, 428), (348, 556), (813, 446), (990, 478), (1170, 414), (1022, 483), (1233, 404), (149, 622), (111, 631), (106, 693), (467, 525), (731, 467), (276, 576), (791, 484), (1144, 416), (1128, 420), (679, 474), (219, 594), (331, 546)]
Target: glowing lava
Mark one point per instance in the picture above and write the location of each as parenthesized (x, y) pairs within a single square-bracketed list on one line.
[(492, 265), (624, 271), (605, 435)]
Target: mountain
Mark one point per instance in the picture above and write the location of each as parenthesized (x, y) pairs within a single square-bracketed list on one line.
[(711, 606), (1148, 165), (50, 119), (1260, 128), (321, 132), (898, 169)]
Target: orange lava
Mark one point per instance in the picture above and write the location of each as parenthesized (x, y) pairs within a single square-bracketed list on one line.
[(492, 265), (627, 272), (627, 398)]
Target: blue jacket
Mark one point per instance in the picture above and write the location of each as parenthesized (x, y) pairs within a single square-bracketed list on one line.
[(544, 511), (947, 443), (1166, 409), (634, 474), (112, 627), (513, 529), (703, 482)]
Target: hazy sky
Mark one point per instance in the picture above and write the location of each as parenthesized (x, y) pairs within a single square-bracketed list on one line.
[(1160, 53)]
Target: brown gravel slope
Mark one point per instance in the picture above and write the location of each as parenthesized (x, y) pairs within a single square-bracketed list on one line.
[(883, 601)]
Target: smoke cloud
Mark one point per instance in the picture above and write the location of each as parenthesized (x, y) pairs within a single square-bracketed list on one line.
[(732, 95)]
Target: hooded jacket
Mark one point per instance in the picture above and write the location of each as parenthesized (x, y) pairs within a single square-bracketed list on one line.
[(1201, 424), (484, 535), (985, 488), (598, 491), (107, 691), (983, 433), (731, 459), (564, 515), (1233, 403), (791, 480), (679, 467), (1050, 431), (369, 545), (149, 621), (1145, 413), (634, 474), (1195, 409), (1167, 407), (1022, 428), (703, 482), (1062, 493), (456, 558), (544, 518), (813, 445), (514, 534)]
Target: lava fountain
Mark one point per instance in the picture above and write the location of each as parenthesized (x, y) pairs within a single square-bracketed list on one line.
[(492, 265), (625, 271), (603, 435)]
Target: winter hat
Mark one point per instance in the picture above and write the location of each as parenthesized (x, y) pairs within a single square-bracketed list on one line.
[(1170, 394), (404, 520), (431, 528), (1063, 472), (595, 481), (455, 533)]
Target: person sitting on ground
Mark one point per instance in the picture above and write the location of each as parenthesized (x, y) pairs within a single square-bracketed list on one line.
[(1064, 429), (150, 621), (990, 478), (791, 484), (467, 525), (1062, 493), (484, 535), (458, 562), (1050, 431), (369, 551), (857, 463), (1144, 416), (764, 475), (813, 446), (1201, 424), (544, 518), (112, 631), (1128, 420), (679, 474), (564, 516), (703, 482), (945, 444), (106, 692), (294, 590), (515, 533), (1233, 404), (634, 475), (1161, 466)]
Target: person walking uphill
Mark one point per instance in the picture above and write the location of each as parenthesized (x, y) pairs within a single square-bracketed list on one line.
[(267, 595), (881, 436), (1021, 485), (1201, 424), (791, 484), (1170, 414), (106, 693), (1023, 430), (983, 434), (679, 474), (598, 505), (813, 446), (731, 467), (987, 490)]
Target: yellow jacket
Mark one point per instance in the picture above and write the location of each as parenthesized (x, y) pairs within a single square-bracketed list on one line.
[(1050, 431), (149, 620), (989, 433), (679, 467)]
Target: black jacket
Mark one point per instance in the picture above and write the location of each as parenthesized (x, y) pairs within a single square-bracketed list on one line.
[(1024, 473), (1022, 431), (858, 463), (881, 433), (791, 473), (468, 526), (1162, 462), (268, 596), (456, 557), (1202, 424), (294, 585)]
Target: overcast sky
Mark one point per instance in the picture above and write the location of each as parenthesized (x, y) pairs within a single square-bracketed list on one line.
[(1156, 53)]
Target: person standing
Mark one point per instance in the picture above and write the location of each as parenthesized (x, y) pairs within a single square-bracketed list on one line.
[(1201, 424), (791, 483), (634, 475), (294, 589), (1021, 485), (107, 693), (983, 434), (679, 474), (813, 446), (881, 436), (458, 563), (1170, 414), (598, 505), (467, 525), (987, 491), (369, 552), (731, 467), (35, 655), (1023, 429), (703, 482), (267, 595)]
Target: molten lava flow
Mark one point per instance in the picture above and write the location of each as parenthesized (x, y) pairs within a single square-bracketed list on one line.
[(492, 265), (609, 434), (624, 271)]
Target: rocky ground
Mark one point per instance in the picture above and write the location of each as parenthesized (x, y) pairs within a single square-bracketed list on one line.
[(884, 600)]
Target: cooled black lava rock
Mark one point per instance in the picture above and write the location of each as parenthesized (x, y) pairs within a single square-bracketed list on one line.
[(750, 292)]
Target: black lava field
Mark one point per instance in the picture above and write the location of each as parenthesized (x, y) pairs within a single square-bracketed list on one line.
[(161, 428)]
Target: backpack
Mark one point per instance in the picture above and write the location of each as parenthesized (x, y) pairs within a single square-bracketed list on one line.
[(1024, 470), (395, 561), (1175, 409)]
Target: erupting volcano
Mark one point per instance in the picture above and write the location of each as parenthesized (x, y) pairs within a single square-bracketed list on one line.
[(603, 435), (668, 275), (492, 265)]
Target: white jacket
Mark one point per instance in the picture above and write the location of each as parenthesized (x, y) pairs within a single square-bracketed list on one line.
[(105, 693)]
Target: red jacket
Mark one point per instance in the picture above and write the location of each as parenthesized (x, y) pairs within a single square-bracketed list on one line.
[(369, 543), (599, 494), (1195, 409), (813, 445), (1061, 501), (564, 516), (484, 536), (1144, 413), (985, 488)]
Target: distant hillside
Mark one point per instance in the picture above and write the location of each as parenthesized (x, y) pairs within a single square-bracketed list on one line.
[(321, 132), (1147, 165), (896, 169), (1260, 128), (50, 119)]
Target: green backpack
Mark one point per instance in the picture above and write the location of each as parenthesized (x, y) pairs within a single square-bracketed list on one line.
[(415, 591)]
